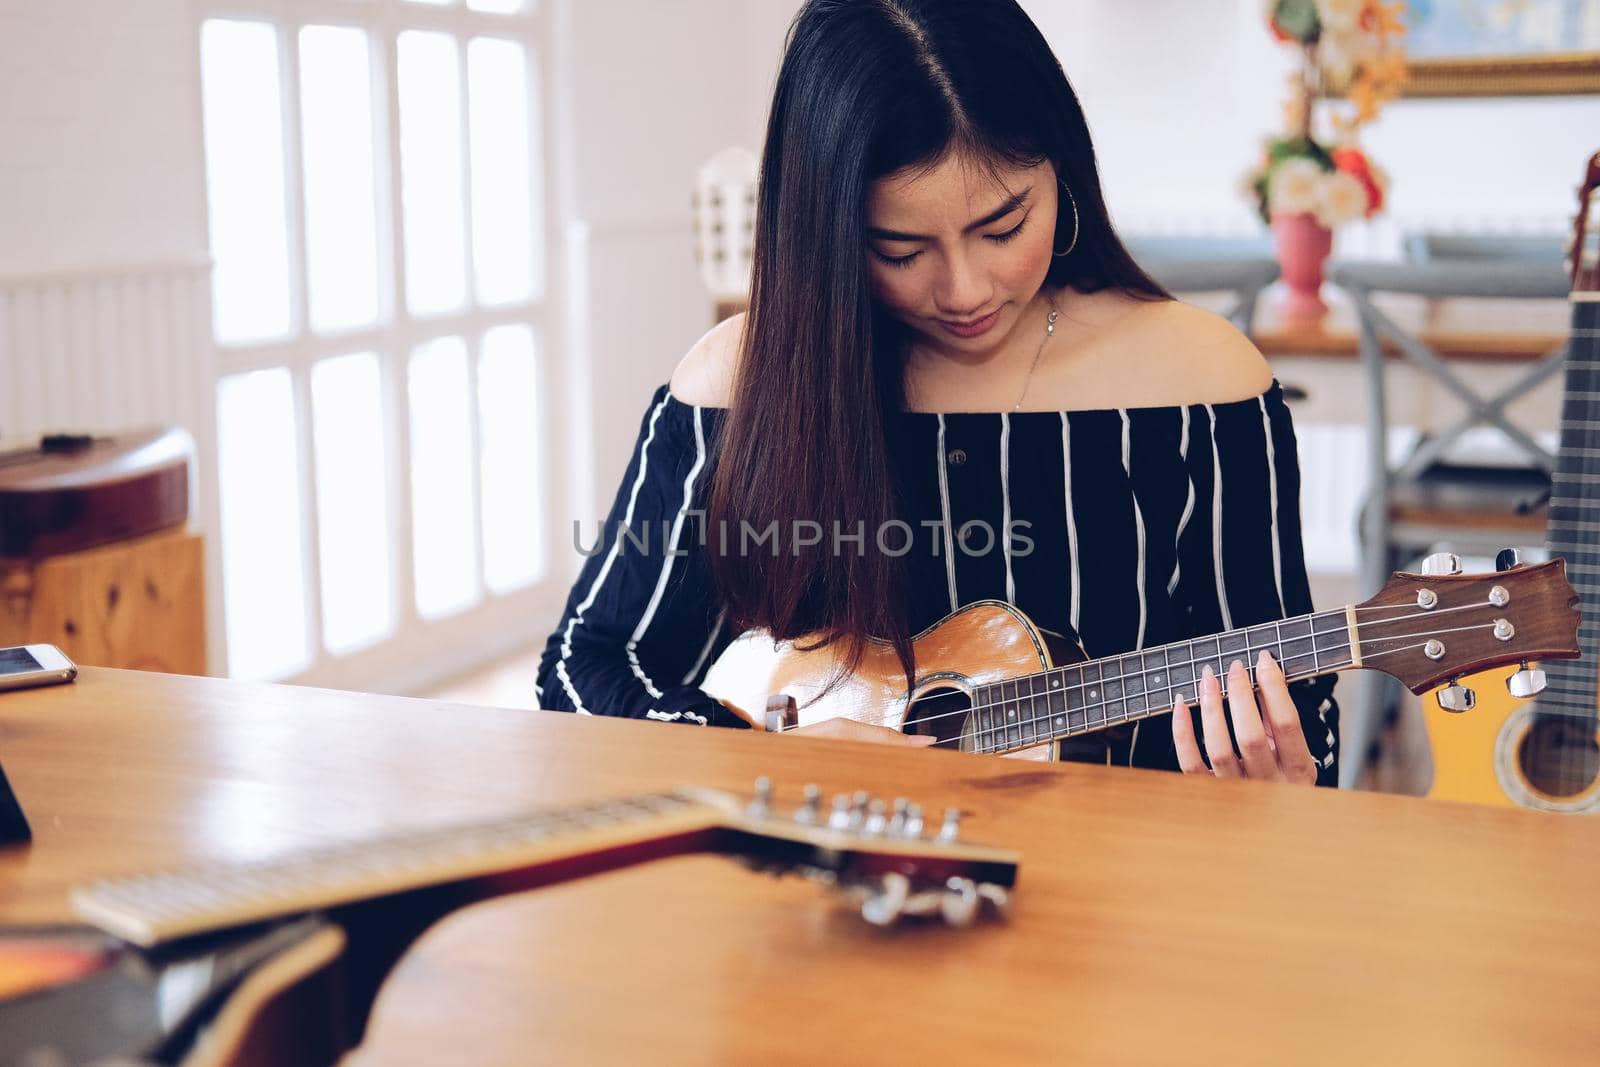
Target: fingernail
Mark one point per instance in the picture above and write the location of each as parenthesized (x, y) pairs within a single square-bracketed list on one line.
[(1265, 659), (1208, 672), (1239, 664)]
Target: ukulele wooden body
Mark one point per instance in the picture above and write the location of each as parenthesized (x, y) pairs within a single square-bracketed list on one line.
[(982, 642)]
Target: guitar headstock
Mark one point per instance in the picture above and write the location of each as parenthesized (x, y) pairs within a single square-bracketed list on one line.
[(1431, 628), (888, 856), (1582, 258)]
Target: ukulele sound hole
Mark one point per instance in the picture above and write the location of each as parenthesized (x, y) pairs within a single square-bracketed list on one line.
[(942, 713), (1559, 756)]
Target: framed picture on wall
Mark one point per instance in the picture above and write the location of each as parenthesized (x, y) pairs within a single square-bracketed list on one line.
[(1502, 47)]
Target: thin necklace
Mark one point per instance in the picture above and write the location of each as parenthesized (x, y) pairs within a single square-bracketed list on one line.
[(1049, 329)]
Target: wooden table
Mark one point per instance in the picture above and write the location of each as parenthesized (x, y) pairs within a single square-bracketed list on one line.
[(1159, 919), (1516, 331)]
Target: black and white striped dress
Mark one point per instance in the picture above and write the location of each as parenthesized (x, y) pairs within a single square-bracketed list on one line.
[(1147, 525)]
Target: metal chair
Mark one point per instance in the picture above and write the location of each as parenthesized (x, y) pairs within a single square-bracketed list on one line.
[(1241, 265), (1429, 496)]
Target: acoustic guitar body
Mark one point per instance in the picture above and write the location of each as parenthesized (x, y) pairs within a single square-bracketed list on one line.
[(983, 642), (1508, 753)]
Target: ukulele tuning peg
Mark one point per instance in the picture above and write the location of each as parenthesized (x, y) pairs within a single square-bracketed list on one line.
[(897, 819), (1457, 697), (1441, 563), (877, 822), (1527, 682), (1506, 559)]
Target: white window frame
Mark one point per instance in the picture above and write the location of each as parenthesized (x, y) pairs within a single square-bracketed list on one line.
[(417, 652)]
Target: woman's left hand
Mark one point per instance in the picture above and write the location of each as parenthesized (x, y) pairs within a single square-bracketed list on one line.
[(1271, 746)]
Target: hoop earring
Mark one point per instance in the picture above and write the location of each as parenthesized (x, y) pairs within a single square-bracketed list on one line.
[(1075, 224)]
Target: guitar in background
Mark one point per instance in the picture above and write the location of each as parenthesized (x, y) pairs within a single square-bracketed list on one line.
[(279, 961), (1544, 754)]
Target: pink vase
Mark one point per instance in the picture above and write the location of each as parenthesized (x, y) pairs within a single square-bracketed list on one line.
[(1303, 248)]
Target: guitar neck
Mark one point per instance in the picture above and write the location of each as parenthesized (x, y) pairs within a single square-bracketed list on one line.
[(514, 853), (1081, 698), (1575, 509)]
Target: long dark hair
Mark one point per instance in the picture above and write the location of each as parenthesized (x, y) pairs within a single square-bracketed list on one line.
[(869, 88)]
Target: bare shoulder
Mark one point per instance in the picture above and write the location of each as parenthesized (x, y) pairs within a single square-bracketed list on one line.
[(704, 377), (1198, 356)]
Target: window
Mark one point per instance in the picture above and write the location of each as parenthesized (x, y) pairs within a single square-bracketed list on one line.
[(375, 184)]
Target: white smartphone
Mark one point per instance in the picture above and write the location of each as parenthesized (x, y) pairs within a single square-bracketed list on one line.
[(22, 666)]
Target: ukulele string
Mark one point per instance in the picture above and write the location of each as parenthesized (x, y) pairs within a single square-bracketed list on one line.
[(1176, 690), (1017, 726)]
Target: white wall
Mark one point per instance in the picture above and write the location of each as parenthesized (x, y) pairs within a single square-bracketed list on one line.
[(654, 89), (99, 165)]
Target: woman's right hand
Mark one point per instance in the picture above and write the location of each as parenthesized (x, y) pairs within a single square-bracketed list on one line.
[(850, 730)]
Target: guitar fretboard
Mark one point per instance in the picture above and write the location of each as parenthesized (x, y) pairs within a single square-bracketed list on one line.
[(1575, 512), (155, 908)]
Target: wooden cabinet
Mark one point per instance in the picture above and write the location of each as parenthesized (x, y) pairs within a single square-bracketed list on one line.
[(138, 604)]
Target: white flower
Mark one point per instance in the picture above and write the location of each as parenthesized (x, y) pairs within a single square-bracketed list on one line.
[(1340, 14), (1337, 61), (1292, 189), (1340, 198)]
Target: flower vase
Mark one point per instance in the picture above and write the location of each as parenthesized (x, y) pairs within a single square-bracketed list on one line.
[(1303, 246)]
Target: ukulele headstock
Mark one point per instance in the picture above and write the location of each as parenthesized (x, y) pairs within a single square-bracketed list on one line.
[(890, 858), (1429, 629)]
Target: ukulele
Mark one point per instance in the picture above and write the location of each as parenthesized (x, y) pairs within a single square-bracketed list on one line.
[(989, 680), (1546, 754), (74, 492), (278, 962)]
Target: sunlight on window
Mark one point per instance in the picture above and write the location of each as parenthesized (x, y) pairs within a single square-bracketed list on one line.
[(502, 184), (508, 405), (341, 220), (444, 537), (243, 124), (432, 196), (352, 501), (262, 561)]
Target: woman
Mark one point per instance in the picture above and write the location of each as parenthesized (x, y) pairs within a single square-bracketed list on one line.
[(945, 332)]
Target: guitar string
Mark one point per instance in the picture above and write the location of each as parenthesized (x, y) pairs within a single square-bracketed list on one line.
[(1003, 702)]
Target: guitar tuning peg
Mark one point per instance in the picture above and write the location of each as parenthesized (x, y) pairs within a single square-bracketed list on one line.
[(913, 824), (1506, 559), (761, 806), (1441, 563), (858, 809), (1525, 683), (811, 810), (951, 830), (897, 820), (884, 907), (997, 896), (877, 821), (1457, 697), (960, 904), (840, 819)]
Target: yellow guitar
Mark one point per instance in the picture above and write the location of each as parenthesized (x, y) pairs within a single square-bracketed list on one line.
[(1545, 754)]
